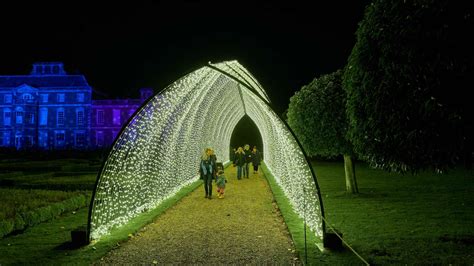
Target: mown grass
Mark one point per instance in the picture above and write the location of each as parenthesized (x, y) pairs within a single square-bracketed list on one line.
[(26, 167), (60, 174), (402, 219), (13, 201), (293, 221), (36, 191), (49, 243), (395, 219), (51, 181)]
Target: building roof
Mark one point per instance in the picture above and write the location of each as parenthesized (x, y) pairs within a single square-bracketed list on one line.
[(44, 81), (117, 102)]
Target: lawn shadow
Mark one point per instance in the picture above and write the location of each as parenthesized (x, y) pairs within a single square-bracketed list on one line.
[(363, 193), (69, 245), (460, 239)]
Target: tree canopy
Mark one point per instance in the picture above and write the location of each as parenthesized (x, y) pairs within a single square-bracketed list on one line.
[(407, 83), (317, 116)]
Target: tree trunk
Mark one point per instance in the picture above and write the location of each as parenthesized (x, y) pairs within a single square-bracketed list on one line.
[(351, 183)]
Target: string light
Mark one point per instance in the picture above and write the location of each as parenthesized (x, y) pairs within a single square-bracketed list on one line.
[(158, 152)]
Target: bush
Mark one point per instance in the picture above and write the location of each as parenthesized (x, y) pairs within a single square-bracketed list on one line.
[(33, 217), (18, 222), (6, 227)]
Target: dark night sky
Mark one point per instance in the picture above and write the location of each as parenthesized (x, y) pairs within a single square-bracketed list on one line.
[(122, 47)]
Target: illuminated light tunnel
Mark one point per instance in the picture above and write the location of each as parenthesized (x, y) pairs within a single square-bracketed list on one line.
[(158, 151)]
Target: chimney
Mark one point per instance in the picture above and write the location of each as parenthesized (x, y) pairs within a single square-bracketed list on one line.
[(48, 68)]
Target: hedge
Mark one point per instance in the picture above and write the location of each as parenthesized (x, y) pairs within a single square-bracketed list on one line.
[(33, 217)]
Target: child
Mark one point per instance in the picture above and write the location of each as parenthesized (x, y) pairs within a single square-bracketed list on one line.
[(220, 184)]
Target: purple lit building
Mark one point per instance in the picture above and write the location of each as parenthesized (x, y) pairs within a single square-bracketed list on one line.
[(108, 116), (50, 109)]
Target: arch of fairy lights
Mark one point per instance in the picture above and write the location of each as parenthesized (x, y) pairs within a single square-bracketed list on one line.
[(158, 152)]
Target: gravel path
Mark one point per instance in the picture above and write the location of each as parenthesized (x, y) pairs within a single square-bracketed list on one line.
[(243, 228)]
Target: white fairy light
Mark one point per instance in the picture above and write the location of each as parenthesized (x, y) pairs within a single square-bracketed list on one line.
[(158, 152)]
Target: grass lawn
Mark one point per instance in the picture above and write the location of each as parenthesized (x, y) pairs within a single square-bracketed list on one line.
[(402, 219), (59, 174), (22, 208), (49, 243), (27, 167), (51, 181), (36, 191), (13, 201)]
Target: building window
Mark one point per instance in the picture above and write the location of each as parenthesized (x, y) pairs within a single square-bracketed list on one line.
[(19, 141), (60, 137), (80, 97), (27, 96), (19, 115), (8, 98), (99, 136), (100, 117), (44, 98), (80, 139), (30, 118), (116, 117), (43, 116), (7, 117), (60, 117), (114, 134), (61, 97), (80, 116), (43, 139), (6, 138)]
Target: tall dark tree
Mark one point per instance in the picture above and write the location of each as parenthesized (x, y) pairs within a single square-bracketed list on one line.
[(317, 115), (408, 81)]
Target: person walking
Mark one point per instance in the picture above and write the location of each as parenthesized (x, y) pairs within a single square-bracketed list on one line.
[(207, 168), (255, 159), (221, 180), (248, 160), (239, 161), (232, 156), (214, 163)]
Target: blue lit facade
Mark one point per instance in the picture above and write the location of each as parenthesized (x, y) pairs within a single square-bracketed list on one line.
[(50, 109)]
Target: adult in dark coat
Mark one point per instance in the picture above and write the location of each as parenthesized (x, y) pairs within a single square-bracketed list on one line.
[(248, 160), (214, 161), (206, 167), (239, 162), (232, 156), (256, 159)]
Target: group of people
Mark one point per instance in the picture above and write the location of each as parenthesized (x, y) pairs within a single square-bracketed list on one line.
[(242, 157), (210, 169)]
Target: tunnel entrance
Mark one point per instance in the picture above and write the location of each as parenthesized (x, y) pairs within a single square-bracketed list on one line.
[(246, 132)]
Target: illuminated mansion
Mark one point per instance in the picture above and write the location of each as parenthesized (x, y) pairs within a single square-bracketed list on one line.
[(50, 109)]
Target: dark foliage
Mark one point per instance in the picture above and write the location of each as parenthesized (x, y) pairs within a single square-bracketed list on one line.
[(408, 84), (317, 115)]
